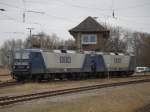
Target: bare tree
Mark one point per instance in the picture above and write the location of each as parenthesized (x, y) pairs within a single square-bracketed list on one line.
[(116, 41), (42, 40), (144, 50), (70, 44), (7, 50)]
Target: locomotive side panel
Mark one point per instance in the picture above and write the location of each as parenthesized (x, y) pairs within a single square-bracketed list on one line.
[(117, 62), (63, 62)]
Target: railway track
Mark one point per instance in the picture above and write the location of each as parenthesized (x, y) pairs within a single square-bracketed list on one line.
[(7, 100), (4, 75), (8, 84)]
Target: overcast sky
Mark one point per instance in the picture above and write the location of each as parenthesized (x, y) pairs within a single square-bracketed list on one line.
[(58, 16)]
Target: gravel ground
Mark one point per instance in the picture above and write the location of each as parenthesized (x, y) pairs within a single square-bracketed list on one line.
[(129, 98), (146, 108)]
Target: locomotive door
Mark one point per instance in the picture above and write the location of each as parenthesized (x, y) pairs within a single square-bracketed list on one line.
[(93, 63), (37, 63)]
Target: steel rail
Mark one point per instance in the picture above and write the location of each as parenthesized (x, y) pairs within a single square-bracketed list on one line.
[(9, 83)]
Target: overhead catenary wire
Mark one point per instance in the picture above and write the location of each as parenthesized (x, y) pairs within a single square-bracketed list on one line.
[(50, 15), (133, 21), (91, 9), (136, 16), (96, 8), (132, 7), (133, 26), (60, 18), (82, 6), (9, 5), (32, 11), (76, 6), (45, 14), (104, 9), (10, 18), (14, 33)]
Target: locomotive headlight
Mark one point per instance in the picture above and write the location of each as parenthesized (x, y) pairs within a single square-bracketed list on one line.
[(28, 67), (14, 67)]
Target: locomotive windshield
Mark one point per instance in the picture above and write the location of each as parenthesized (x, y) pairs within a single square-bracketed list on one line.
[(21, 55)]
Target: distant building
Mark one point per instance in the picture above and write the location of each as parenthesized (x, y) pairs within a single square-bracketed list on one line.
[(89, 35)]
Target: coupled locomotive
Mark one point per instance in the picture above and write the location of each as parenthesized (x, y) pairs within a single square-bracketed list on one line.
[(38, 64)]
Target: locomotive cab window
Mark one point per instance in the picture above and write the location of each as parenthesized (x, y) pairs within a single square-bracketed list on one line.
[(25, 55), (21, 55), (17, 55)]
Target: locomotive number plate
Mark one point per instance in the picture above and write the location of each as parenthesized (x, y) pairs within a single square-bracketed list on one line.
[(65, 59), (117, 60)]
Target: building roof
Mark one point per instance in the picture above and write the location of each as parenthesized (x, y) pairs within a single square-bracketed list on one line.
[(88, 25)]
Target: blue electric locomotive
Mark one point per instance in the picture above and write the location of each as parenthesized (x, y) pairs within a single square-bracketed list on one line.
[(38, 64)]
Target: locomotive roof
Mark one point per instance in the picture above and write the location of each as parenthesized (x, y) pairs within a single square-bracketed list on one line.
[(29, 50), (71, 51)]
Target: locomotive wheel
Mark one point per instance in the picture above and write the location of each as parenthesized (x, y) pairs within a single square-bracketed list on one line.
[(20, 79), (74, 76), (83, 76), (69, 76), (48, 77), (39, 78), (62, 76), (52, 76), (104, 74), (33, 78), (98, 75)]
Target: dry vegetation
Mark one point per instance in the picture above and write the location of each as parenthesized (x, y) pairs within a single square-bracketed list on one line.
[(4, 71), (4, 75), (5, 78), (119, 99)]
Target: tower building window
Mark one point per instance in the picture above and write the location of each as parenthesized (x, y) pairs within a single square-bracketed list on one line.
[(89, 39)]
